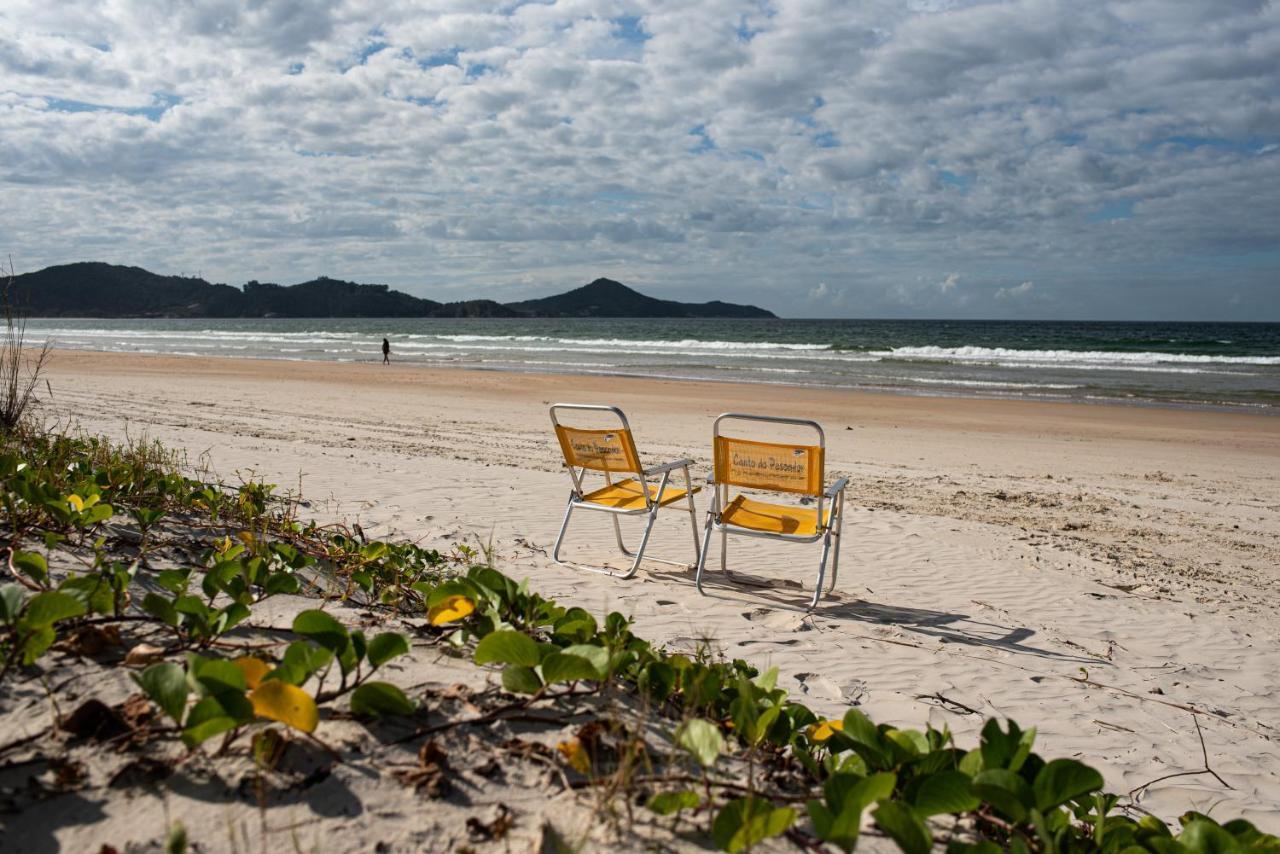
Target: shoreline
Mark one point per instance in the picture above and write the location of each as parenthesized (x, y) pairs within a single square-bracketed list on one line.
[(1212, 369), (207, 365)]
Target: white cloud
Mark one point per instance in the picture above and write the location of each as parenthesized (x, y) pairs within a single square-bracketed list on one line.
[(717, 150), (1015, 292)]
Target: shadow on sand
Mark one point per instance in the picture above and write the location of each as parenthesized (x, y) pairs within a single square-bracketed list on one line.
[(786, 595)]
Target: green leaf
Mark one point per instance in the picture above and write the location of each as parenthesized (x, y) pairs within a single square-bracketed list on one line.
[(176, 581), (216, 675), (95, 514), (231, 616), (666, 803), (559, 667), (508, 647), (597, 655), (36, 642), (701, 738), (519, 679), (160, 608), (301, 659), (454, 587), (861, 734), (385, 647), (32, 564), (657, 680), (1064, 779), (166, 685), (904, 827), (92, 589), (323, 629), (176, 841), (746, 821), (945, 792), (576, 625), (848, 795), (282, 582), (11, 596), (911, 742), (1004, 790), (1205, 836), (380, 698), (45, 609), (214, 715)]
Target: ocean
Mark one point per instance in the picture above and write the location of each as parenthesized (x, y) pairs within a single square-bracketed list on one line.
[(1217, 365)]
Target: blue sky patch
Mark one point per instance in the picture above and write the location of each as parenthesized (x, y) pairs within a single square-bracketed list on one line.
[(629, 29), (1112, 211), (704, 143), (162, 103)]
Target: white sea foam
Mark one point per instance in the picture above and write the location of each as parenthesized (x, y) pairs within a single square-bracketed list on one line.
[(1040, 358), (646, 343)]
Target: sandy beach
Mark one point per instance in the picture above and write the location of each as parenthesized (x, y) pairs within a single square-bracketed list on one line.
[(1104, 573)]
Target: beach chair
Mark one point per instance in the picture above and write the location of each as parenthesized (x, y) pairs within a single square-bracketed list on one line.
[(780, 468), (639, 492)]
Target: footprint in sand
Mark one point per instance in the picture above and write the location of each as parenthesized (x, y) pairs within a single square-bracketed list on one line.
[(788, 621), (816, 685)]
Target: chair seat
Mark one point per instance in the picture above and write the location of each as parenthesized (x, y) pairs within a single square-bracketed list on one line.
[(628, 495), (767, 518)]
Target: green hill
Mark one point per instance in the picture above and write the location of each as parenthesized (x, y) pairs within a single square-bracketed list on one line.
[(607, 298), (94, 289)]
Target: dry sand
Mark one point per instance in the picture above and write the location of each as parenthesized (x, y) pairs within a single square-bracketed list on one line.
[(1104, 573)]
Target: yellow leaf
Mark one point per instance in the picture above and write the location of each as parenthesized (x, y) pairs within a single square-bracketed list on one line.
[(450, 610), (76, 502), (823, 731), (575, 755), (92, 500), (287, 704), (253, 669), (247, 538)]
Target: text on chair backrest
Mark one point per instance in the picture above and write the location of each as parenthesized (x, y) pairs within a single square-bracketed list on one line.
[(599, 450), (766, 465)]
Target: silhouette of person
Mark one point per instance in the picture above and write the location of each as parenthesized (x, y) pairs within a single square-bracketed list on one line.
[(386, 352)]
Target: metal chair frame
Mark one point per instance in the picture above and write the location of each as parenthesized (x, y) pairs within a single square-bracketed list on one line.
[(642, 475), (827, 531)]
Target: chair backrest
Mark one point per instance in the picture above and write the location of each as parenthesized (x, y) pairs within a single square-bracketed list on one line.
[(772, 466), (609, 450)]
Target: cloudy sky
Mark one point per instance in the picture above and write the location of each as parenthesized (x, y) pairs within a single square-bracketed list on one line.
[(880, 158)]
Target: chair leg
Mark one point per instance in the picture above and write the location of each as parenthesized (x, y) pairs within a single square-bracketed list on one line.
[(644, 541), (724, 551), (693, 523), (822, 571), (617, 534), (564, 526), (702, 555), (835, 559)]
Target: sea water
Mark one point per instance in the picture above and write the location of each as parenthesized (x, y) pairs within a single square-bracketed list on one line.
[(1219, 365)]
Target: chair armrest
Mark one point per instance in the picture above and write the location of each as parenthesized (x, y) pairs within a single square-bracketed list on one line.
[(835, 489), (678, 464)]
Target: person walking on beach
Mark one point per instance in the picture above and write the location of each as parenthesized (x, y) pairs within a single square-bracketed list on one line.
[(386, 352)]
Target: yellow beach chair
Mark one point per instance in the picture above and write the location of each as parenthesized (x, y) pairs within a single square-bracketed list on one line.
[(612, 453), (773, 467)]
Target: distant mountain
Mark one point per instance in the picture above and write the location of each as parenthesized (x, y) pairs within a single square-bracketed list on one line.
[(325, 297), (475, 308), (607, 298), (94, 289)]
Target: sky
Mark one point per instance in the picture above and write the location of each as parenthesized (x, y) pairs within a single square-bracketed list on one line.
[(1061, 159)]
